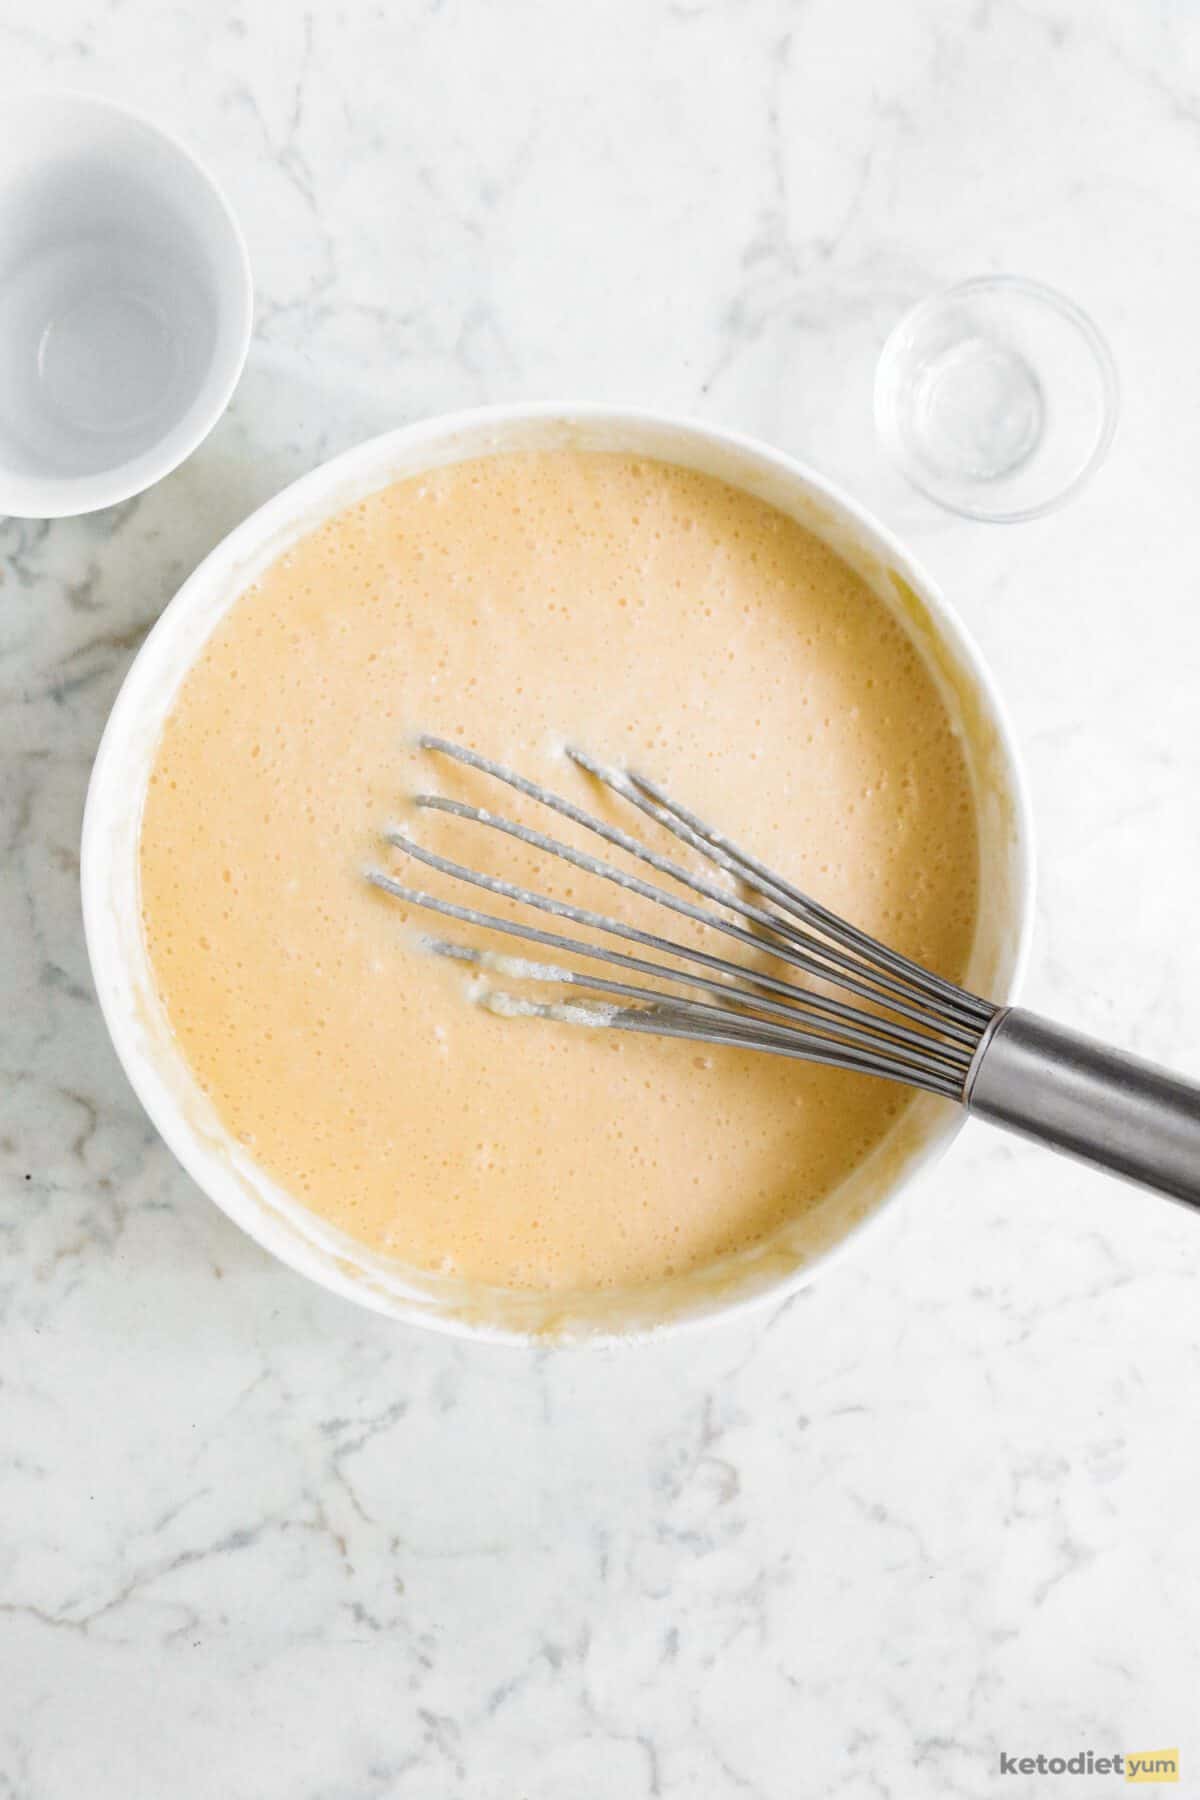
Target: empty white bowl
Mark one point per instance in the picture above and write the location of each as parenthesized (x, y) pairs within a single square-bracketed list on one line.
[(125, 305)]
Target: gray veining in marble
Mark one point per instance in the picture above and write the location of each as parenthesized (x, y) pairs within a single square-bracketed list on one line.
[(254, 1544)]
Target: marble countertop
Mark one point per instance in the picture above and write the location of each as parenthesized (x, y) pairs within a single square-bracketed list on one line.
[(940, 1508)]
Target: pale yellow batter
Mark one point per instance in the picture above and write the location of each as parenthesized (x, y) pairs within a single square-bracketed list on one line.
[(653, 616)]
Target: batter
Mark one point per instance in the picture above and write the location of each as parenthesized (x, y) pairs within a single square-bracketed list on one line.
[(651, 615)]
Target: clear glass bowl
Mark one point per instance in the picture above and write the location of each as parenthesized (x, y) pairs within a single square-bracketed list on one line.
[(997, 398)]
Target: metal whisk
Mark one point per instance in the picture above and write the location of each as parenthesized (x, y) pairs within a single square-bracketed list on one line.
[(903, 1023)]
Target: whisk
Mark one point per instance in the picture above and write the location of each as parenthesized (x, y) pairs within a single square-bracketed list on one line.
[(871, 1009)]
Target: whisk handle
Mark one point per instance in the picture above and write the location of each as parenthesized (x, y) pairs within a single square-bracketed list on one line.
[(1077, 1095)]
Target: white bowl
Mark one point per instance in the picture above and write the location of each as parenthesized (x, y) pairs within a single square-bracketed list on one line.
[(125, 984), (125, 305)]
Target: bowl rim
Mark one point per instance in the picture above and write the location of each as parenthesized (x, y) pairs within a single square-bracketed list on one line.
[(298, 507), (74, 496)]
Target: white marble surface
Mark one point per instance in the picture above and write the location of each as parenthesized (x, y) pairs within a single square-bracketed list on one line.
[(254, 1544)]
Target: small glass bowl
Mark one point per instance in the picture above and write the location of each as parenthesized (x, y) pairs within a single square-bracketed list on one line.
[(997, 398)]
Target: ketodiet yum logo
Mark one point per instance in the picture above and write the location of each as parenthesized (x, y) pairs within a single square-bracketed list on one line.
[(1134, 1765)]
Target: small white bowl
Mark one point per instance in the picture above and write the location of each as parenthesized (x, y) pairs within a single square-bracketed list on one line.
[(125, 983), (125, 305)]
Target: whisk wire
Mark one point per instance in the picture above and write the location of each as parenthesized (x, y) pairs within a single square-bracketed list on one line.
[(650, 798), (820, 960), (954, 1003), (919, 1029), (703, 1022), (797, 998)]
